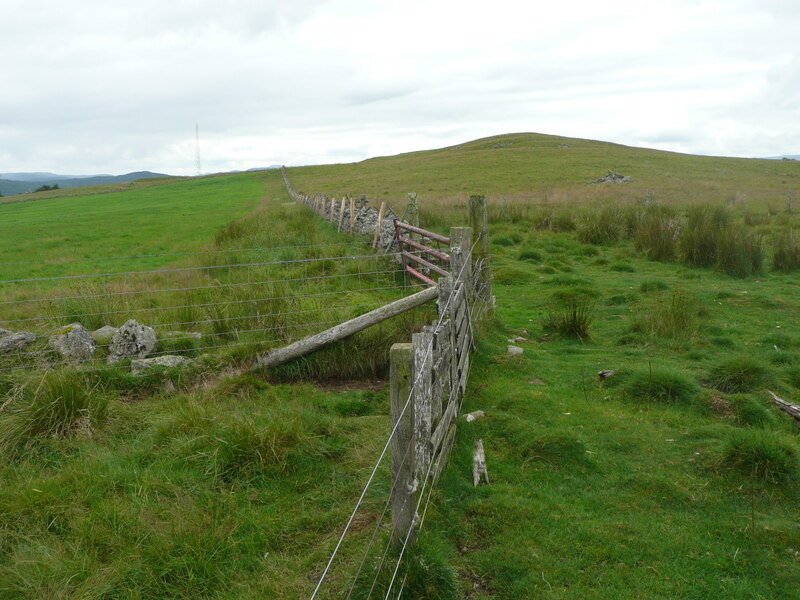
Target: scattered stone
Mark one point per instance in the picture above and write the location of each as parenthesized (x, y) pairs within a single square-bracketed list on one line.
[(605, 373), (501, 145), (613, 178), (132, 341), (73, 343), (474, 416), (169, 361), (515, 351), (104, 335), (565, 145), (537, 381), (14, 342), (516, 339)]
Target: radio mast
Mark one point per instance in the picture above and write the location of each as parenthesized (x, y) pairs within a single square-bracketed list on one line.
[(197, 138)]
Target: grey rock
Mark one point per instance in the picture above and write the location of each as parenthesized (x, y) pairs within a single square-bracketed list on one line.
[(515, 351), (133, 340), (104, 335), (168, 360), (73, 342), (14, 342), (612, 177)]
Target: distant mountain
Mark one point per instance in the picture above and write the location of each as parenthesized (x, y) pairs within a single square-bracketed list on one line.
[(785, 157), (12, 184)]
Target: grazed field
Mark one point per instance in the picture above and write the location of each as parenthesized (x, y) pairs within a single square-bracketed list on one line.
[(674, 478)]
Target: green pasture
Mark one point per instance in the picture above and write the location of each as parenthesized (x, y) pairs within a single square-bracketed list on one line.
[(675, 477)]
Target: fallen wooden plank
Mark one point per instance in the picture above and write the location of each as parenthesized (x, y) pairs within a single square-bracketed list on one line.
[(787, 407), (348, 328)]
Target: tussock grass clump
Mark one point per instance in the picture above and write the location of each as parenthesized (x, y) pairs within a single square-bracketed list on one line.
[(786, 252), (661, 385), (677, 318), (57, 405), (653, 285), (739, 374), (750, 412), (530, 254), (231, 446), (572, 319), (763, 456), (605, 226), (426, 571)]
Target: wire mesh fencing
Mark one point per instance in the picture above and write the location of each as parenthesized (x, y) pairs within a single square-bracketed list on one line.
[(195, 302)]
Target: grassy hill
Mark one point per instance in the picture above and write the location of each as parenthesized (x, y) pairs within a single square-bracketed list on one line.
[(529, 167)]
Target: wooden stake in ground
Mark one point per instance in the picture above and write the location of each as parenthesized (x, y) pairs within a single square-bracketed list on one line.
[(352, 216), (479, 464), (381, 214)]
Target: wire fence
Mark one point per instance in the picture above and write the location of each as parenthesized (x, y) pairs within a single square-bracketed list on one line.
[(377, 570), (196, 302)]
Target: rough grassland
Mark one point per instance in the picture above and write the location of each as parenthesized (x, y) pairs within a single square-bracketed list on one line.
[(528, 167), (656, 483)]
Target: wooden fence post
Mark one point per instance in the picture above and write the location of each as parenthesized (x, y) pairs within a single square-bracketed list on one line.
[(352, 216), (423, 400), (341, 214), (405, 490), (478, 220), (381, 213), (460, 263)]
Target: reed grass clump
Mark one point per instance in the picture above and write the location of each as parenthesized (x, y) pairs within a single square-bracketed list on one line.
[(656, 233), (697, 242), (739, 253), (786, 252), (571, 319), (605, 226), (679, 317)]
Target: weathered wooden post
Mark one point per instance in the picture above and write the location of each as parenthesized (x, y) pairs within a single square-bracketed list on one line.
[(352, 216), (405, 492), (412, 210), (341, 214), (460, 251), (478, 220), (378, 225), (423, 400)]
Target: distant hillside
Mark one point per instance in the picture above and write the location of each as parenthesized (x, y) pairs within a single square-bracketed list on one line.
[(12, 184), (531, 167)]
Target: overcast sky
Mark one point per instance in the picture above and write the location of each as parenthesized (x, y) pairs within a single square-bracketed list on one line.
[(101, 86)]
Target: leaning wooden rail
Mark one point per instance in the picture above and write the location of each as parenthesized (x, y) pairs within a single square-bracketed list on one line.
[(348, 328)]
